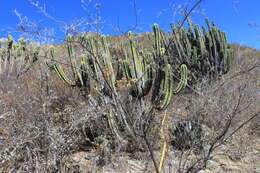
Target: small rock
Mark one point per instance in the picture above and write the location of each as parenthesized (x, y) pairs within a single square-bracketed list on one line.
[(76, 159)]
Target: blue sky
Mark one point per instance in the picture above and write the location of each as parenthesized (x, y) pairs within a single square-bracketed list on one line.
[(232, 16)]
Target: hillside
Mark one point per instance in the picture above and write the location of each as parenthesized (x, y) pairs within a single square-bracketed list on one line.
[(61, 110)]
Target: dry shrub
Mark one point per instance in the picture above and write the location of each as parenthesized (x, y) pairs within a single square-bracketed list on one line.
[(43, 121)]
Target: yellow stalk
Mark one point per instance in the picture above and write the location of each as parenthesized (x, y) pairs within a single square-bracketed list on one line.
[(163, 137), (162, 155)]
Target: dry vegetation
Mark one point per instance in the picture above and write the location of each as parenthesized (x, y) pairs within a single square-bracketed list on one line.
[(46, 126)]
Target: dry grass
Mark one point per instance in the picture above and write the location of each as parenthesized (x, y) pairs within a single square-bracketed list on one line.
[(48, 127)]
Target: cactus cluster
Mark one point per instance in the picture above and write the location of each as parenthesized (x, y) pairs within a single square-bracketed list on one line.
[(95, 66), (17, 56), (162, 71), (80, 75), (164, 83), (206, 52), (137, 71)]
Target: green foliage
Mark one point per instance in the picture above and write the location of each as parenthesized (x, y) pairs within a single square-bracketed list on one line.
[(187, 54), (183, 80), (206, 53), (80, 75), (163, 87), (95, 64), (163, 90), (18, 56), (139, 74)]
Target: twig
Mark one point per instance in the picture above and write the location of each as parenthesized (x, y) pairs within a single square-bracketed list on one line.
[(151, 153), (186, 15), (242, 125), (238, 74)]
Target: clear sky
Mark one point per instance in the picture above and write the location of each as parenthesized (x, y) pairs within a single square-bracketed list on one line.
[(232, 16)]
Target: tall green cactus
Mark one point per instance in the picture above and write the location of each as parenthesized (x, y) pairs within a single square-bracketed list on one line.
[(1, 43), (9, 42), (17, 57), (57, 68), (183, 79), (102, 65), (140, 73), (206, 53), (107, 61), (163, 87), (80, 75), (95, 65), (159, 46)]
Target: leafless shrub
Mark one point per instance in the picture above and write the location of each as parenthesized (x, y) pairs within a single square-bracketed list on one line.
[(43, 122), (226, 110)]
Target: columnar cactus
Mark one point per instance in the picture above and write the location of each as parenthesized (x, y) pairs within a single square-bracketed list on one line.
[(221, 54), (95, 65), (205, 53), (101, 65), (9, 42), (139, 74), (80, 75), (17, 56), (183, 79), (1, 43), (57, 68), (163, 88), (107, 61)]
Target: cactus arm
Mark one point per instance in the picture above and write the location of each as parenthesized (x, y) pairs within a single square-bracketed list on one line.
[(163, 93), (110, 74), (71, 53), (139, 74), (157, 40), (57, 68), (167, 88), (183, 81), (62, 75)]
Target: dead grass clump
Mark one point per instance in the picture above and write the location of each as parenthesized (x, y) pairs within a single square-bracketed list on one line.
[(43, 123)]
